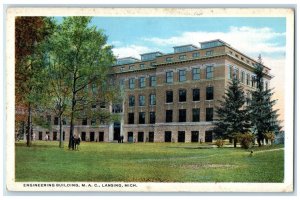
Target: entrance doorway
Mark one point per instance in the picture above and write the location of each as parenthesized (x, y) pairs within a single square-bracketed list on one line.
[(181, 136), (168, 136), (116, 130), (40, 135), (54, 135), (92, 136), (151, 136), (140, 136), (195, 136), (83, 134), (130, 137), (208, 136), (101, 136)]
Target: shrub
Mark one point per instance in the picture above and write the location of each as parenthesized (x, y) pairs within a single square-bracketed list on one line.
[(246, 140), (270, 136), (219, 143)]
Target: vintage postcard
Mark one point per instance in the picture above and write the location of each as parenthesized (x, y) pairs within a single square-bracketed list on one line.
[(150, 99)]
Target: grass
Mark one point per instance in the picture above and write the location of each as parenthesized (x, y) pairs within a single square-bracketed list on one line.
[(147, 162)]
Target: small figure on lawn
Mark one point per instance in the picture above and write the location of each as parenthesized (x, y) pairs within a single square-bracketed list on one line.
[(251, 153)]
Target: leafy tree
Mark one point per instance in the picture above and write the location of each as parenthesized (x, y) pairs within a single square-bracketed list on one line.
[(232, 117), (29, 33), (263, 116), (80, 50)]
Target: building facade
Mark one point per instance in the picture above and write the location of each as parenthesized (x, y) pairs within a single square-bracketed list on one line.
[(170, 97)]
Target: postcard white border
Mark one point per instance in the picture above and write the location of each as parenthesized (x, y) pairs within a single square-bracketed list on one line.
[(286, 186)]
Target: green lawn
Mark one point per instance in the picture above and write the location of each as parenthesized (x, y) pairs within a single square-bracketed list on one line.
[(143, 162)]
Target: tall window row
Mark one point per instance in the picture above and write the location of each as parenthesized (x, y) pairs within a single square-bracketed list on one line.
[(142, 118), (195, 74), (141, 82), (142, 100), (182, 116), (182, 94)]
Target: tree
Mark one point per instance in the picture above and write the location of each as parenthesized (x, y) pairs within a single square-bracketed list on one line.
[(263, 116), (81, 52), (29, 32), (232, 117)]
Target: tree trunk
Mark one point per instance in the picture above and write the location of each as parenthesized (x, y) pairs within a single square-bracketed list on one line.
[(234, 142), (61, 139), (29, 127), (71, 141)]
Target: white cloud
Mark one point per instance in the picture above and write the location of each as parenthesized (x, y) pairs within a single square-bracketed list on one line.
[(246, 39), (130, 51)]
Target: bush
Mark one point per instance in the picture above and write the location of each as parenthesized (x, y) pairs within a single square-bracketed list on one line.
[(219, 143), (270, 136), (246, 140)]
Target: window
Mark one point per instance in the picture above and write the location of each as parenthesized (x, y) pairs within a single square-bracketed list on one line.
[(142, 82), (142, 66), (248, 79), (131, 67), (131, 83), (253, 81), (131, 101), (182, 95), (169, 96), (248, 99), (48, 118), (152, 81), (117, 108), (182, 76), (152, 99), (64, 121), (55, 120), (122, 69), (169, 59), (195, 136), (209, 53), (181, 136), (141, 100), (243, 77), (182, 57), (196, 55), (209, 72), (229, 72), (182, 115), (210, 93), (196, 94), (130, 118), (141, 117), (196, 73), (169, 77), (235, 73), (122, 83), (102, 104), (94, 88), (196, 114), (169, 116), (93, 122), (153, 64), (209, 114), (267, 85), (152, 118), (168, 136), (84, 121)]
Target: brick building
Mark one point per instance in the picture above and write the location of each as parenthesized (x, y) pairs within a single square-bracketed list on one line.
[(170, 97)]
